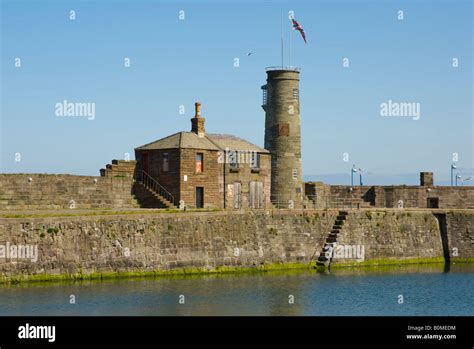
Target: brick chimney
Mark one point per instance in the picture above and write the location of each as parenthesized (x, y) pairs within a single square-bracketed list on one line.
[(198, 122)]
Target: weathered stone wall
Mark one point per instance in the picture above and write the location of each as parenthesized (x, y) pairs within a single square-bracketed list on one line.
[(392, 235), (460, 228), (119, 168), (208, 179), (283, 135), (389, 196), (168, 179), (163, 242), (244, 176), (44, 191)]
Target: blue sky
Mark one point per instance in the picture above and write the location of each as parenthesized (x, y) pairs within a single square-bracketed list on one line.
[(177, 62)]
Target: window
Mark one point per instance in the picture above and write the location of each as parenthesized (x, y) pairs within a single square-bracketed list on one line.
[(199, 162), (255, 160), (296, 94), (234, 158), (165, 165), (283, 129), (295, 173)]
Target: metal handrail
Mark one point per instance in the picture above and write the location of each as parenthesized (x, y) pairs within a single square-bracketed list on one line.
[(351, 203), (151, 183), (278, 203), (280, 67)]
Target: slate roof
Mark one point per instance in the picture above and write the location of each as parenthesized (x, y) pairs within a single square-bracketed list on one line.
[(181, 140), (210, 141), (233, 143)]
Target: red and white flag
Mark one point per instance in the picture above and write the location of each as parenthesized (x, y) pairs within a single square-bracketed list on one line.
[(298, 27)]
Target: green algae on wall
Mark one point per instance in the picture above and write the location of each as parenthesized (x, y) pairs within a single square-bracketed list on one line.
[(218, 242)]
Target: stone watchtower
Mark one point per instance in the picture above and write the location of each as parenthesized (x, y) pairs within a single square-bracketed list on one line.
[(283, 134)]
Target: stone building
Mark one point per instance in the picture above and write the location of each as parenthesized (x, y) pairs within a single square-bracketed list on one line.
[(194, 167), (199, 169), (202, 170)]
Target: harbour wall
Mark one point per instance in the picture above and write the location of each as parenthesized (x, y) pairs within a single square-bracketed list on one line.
[(196, 242)]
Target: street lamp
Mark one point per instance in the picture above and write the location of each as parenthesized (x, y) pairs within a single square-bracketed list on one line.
[(453, 167), (360, 177), (457, 177), (354, 170)]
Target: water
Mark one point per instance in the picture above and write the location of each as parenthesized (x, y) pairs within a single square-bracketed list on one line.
[(425, 291)]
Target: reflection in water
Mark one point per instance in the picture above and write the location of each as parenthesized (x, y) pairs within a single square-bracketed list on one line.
[(447, 267), (427, 290)]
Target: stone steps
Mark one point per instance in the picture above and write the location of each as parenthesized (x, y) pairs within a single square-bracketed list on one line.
[(148, 198), (161, 198), (119, 168), (323, 260)]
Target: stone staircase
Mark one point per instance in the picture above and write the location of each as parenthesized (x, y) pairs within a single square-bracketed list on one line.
[(119, 168), (325, 257), (147, 198), (151, 194)]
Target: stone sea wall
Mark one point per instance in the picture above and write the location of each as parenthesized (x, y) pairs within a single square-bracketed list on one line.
[(460, 227), (391, 236), (91, 246)]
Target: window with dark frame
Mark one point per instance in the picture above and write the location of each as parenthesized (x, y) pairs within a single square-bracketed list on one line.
[(199, 162), (296, 94), (255, 160), (165, 162), (234, 157)]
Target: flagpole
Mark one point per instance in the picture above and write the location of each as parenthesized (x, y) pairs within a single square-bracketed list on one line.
[(281, 31), (289, 46)]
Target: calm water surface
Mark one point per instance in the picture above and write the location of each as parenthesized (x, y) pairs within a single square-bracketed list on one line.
[(425, 290)]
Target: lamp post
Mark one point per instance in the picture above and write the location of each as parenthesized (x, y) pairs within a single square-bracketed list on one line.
[(457, 177), (354, 170), (360, 177), (453, 167)]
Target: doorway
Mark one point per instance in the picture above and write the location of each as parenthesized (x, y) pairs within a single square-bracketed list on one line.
[(256, 195), (237, 195), (199, 197)]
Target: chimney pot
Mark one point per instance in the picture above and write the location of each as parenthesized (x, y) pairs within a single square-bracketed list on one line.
[(197, 106)]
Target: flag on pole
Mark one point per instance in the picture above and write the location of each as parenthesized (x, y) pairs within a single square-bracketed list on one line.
[(298, 27)]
